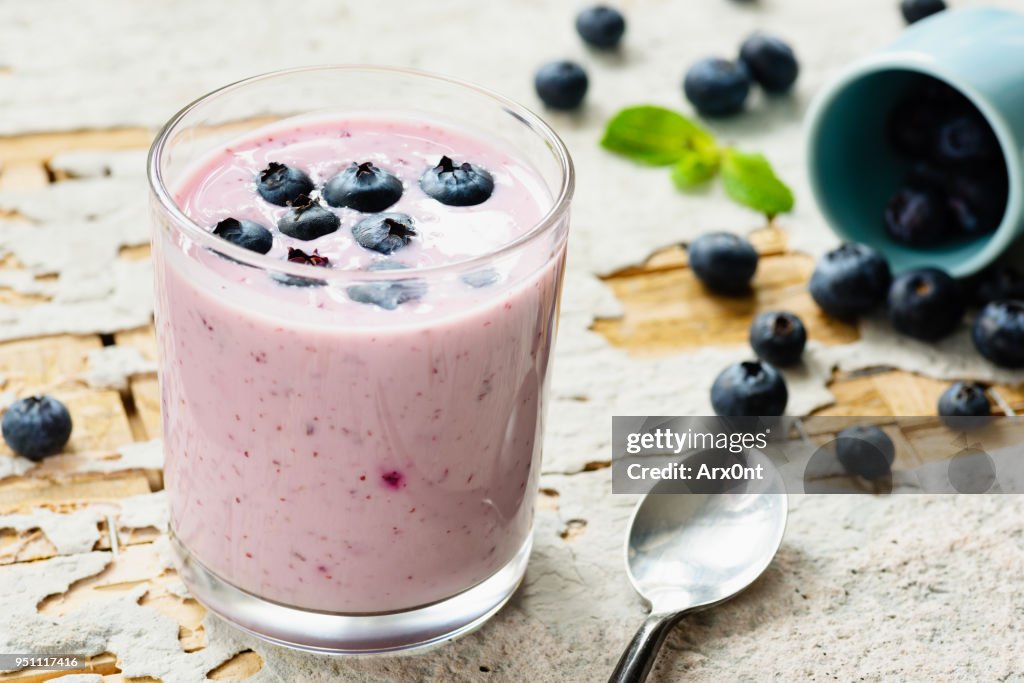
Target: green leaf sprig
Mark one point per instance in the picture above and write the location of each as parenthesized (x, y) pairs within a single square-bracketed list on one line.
[(661, 137)]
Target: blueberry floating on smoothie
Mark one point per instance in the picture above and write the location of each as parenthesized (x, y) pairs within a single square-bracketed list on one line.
[(717, 87), (925, 303), (724, 262), (964, 405), (455, 184), (850, 281), (299, 256), (778, 337), (865, 451), (561, 85), (363, 187), (307, 220), (283, 185), (998, 333), (751, 388), (387, 295), (918, 217), (246, 234), (601, 26), (384, 232), (36, 427), (770, 61)]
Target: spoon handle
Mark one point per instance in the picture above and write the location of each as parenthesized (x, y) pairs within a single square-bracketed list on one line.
[(638, 659)]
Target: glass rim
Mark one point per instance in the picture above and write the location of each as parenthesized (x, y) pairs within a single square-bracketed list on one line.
[(205, 238)]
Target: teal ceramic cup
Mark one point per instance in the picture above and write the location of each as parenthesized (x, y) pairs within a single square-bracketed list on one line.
[(980, 52)]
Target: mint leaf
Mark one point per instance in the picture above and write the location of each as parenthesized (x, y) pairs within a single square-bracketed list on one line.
[(655, 135), (750, 180), (695, 167)]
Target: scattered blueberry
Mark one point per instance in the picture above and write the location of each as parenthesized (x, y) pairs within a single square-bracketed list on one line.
[(299, 256), (966, 140), (752, 388), (998, 332), (918, 217), (717, 87), (457, 184), (916, 10), (307, 220), (387, 294), (925, 303), (601, 26), (481, 278), (36, 427), (999, 281), (724, 262), (865, 451), (363, 187), (561, 85), (246, 234), (966, 404), (770, 62), (850, 281), (778, 337), (384, 232), (283, 185)]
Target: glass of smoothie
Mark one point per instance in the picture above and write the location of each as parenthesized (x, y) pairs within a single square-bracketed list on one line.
[(357, 281)]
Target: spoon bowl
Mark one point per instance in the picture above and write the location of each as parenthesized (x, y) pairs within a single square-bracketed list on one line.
[(687, 552)]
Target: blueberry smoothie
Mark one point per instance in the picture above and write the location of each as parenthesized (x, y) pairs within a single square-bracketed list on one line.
[(344, 445)]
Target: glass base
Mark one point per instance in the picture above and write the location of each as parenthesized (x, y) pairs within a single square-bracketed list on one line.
[(415, 629)]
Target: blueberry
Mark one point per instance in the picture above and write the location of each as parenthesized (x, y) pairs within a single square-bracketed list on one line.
[(966, 140), (601, 26), (246, 234), (918, 217), (299, 256), (724, 262), (481, 278), (717, 87), (915, 10), (850, 281), (770, 62), (283, 185), (1000, 281), (998, 332), (778, 337), (865, 451), (388, 295), (752, 388), (457, 184), (384, 232), (925, 303), (363, 187), (561, 85), (964, 405), (977, 204), (36, 427), (307, 220)]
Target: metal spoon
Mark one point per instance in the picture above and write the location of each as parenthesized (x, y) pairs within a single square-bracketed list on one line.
[(688, 552)]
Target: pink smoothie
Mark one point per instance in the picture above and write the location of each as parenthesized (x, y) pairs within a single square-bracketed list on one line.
[(335, 455)]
